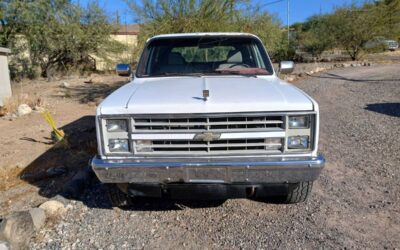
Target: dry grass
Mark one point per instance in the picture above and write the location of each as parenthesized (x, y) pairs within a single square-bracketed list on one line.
[(9, 178), (11, 104)]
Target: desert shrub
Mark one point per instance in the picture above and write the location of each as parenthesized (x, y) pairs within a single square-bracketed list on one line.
[(53, 36)]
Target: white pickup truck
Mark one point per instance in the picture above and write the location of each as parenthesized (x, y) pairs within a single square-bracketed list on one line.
[(206, 116)]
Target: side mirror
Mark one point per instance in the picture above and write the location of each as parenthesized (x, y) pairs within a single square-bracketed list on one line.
[(123, 69), (286, 67)]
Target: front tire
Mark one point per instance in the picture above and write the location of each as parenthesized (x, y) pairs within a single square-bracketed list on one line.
[(299, 192), (117, 197)]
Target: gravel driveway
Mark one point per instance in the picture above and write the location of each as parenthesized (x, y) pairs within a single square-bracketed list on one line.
[(354, 204)]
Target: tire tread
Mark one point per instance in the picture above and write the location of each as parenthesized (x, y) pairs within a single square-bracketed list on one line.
[(117, 197), (300, 192)]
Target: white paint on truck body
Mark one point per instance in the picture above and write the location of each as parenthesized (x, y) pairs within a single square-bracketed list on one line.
[(228, 94)]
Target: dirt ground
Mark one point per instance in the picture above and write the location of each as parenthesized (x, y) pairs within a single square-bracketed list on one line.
[(32, 167), (354, 204)]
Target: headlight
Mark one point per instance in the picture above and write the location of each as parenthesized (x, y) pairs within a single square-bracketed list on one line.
[(298, 142), (299, 121), (118, 145), (114, 125)]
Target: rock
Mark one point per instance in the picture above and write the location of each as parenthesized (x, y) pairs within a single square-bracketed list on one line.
[(4, 245), (53, 208), (61, 199), (24, 109), (38, 109), (95, 79), (92, 104), (38, 217), (65, 85), (290, 78), (17, 229), (346, 65)]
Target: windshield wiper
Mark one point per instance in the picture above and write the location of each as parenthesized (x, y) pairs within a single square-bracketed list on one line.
[(238, 73), (249, 72), (180, 74)]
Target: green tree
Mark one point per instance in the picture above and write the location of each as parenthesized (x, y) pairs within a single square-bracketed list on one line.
[(264, 25), (352, 27), (389, 12), (177, 16), (57, 34), (315, 36), (286, 50)]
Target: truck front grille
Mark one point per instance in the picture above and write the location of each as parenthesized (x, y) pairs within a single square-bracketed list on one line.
[(241, 126)]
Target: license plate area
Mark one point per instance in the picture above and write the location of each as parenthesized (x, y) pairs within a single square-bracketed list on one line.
[(207, 174)]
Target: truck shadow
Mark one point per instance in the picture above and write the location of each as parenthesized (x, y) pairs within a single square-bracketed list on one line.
[(57, 166), (96, 197), (64, 170), (92, 92), (390, 109), (343, 78)]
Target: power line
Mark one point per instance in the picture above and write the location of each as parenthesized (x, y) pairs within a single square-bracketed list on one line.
[(288, 15), (274, 2)]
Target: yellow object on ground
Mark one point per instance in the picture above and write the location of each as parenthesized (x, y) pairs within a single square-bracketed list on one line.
[(58, 133)]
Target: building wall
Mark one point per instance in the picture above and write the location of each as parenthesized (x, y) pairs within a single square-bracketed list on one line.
[(130, 41), (5, 87)]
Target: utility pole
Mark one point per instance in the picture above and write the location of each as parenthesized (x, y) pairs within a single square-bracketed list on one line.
[(288, 25)]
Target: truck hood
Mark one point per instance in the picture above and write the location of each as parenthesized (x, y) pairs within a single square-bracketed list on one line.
[(185, 95)]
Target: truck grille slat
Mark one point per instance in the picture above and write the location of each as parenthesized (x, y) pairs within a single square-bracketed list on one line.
[(204, 145), (219, 123), (198, 125)]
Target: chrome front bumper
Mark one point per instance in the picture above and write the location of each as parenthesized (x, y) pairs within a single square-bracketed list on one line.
[(228, 170)]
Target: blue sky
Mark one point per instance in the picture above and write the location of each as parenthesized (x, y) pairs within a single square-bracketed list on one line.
[(299, 9)]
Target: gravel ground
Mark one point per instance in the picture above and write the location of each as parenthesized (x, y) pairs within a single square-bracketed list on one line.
[(354, 204)]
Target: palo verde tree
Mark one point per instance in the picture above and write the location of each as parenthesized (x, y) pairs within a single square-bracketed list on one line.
[(352, 27), (315, 36), (177, 16), (389, 12), (267, 27), (56, 35)]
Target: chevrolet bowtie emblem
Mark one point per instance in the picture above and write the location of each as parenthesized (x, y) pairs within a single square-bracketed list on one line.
[(206, 94), (207, 136)]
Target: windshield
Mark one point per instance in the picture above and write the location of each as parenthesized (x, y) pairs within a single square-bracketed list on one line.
[(204, 55)]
